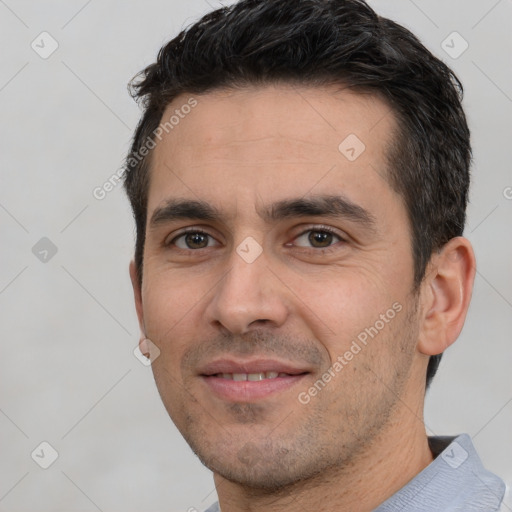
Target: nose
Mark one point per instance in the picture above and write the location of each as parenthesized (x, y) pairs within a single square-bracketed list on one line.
[(248, 296)]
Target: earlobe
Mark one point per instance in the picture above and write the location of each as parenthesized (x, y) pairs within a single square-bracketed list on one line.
[(137, 295), (446, 293), (144, 346)]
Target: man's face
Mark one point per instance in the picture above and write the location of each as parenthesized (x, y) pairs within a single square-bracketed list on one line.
[(276, 255)]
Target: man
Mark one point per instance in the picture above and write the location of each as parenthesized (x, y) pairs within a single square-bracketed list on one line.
[(299, 180)]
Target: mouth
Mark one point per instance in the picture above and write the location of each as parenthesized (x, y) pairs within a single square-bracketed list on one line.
[(253, 377), (248, 381)]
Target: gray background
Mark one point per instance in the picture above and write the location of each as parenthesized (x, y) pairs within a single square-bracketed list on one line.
[(68, 375)]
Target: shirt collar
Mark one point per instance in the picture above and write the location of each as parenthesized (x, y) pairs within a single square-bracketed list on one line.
[(455, 480)]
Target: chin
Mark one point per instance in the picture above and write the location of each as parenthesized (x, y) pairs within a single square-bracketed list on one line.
[(263, 477), (260, 467)]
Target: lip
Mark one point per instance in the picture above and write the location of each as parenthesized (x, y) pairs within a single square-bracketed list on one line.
[(251, 366), (248, 391)]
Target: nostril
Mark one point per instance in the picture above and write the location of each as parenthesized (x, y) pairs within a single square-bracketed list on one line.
[(263, 321)]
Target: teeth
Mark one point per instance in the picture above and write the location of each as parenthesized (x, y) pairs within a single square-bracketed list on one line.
[(252, 376)]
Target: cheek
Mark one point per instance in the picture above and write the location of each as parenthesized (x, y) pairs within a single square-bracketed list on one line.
[(341, 305), (171, 309)]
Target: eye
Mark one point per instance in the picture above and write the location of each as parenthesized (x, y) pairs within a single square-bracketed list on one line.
[(193, 240), (317, 238)]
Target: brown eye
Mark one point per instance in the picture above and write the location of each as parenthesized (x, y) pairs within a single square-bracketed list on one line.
[(317, 239), (193, 240), (320, 238), (196, 240)]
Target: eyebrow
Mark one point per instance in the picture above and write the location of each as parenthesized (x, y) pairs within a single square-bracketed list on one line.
[(176, 209), (324, 206)]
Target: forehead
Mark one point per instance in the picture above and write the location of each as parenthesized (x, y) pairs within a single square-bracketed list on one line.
[(272, 142)]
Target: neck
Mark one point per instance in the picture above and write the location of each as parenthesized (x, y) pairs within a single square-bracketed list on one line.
[(384, 466)]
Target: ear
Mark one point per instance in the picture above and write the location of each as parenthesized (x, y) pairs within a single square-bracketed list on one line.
[(137, 295), (446, 293)]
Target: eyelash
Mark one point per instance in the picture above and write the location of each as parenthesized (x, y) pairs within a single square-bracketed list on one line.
[(319, 228), (184, 233)]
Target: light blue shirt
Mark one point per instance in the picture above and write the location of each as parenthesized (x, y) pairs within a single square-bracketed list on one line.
[(455, 481)]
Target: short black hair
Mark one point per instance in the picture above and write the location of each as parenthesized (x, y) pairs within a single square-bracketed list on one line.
[(324, 42)]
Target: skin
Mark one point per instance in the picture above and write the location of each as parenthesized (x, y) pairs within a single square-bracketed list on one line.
[(362, 437)]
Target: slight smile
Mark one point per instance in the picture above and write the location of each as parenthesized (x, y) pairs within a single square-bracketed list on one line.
[(250, 380)]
